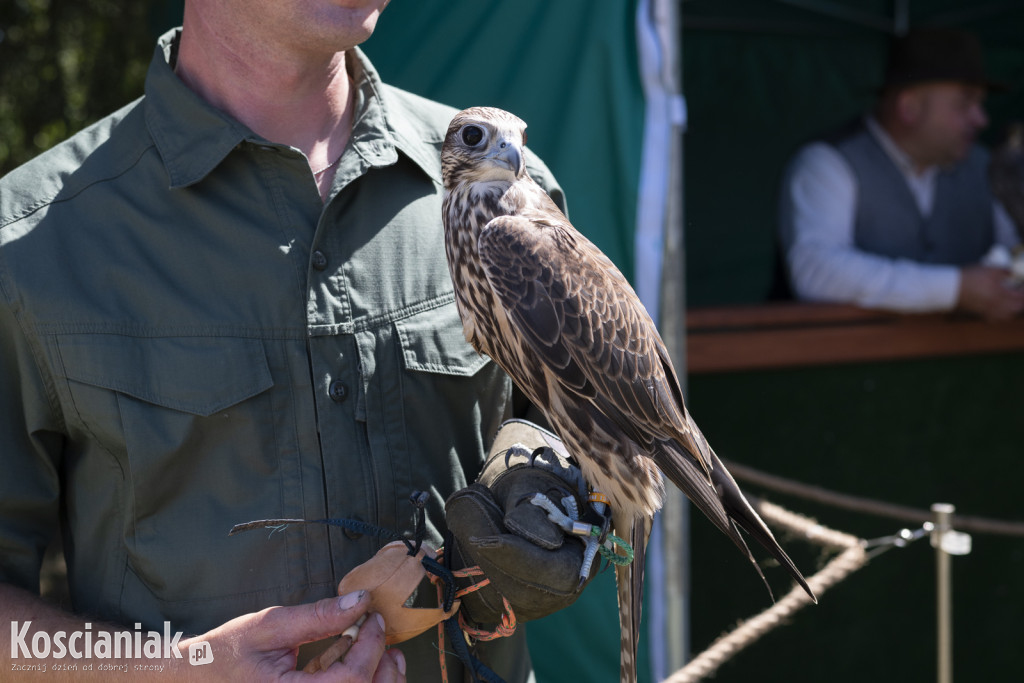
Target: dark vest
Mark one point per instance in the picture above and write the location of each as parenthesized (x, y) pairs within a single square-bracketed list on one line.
[(888, 221)]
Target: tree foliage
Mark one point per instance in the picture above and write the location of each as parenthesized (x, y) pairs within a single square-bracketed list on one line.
[(67, 63)]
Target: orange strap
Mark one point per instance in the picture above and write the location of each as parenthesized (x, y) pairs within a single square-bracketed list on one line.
[(508, 619)]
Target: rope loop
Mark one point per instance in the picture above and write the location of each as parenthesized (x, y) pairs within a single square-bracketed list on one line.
[(607, 549)]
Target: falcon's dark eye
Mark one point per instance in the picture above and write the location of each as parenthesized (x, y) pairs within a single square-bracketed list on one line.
[(472, 135)]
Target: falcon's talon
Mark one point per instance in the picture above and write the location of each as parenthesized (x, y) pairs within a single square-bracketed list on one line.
[(591, 547), (569, 505), (514, 450), (556, 516)]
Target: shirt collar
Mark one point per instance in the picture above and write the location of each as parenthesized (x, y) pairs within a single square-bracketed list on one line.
[(193, 137), (898, 156), (921, 185), (382, 126)]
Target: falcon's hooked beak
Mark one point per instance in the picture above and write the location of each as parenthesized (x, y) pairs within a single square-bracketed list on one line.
[(506, 153)]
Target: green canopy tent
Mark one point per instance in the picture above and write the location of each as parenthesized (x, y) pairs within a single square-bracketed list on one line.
[(571, 70), (760, 77)]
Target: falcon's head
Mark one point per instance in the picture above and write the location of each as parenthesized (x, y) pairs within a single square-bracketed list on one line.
[(483, 144)]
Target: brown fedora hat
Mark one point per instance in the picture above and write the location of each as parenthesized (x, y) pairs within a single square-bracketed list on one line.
[(936, 54)]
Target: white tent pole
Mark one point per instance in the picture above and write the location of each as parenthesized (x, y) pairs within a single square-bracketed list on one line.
[(659, 283)]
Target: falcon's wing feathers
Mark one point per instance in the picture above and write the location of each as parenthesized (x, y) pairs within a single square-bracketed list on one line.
[(582, 319)]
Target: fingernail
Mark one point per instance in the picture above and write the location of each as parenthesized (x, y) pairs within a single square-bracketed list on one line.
[(380, 620), (400, 661), (349, 600)]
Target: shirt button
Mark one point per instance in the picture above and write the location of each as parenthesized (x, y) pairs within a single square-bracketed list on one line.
[(337, 391), (351, 533), (319, 260)]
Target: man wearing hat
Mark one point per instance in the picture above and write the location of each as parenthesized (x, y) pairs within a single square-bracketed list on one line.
[(894, 211)]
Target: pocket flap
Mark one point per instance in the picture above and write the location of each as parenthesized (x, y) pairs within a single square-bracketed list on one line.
[(433, 341), (197, 375)]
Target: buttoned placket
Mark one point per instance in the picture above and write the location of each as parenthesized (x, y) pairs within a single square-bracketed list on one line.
[(332, 356), (336, 356)]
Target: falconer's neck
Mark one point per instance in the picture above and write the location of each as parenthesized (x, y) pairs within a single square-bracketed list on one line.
[(300, 99)]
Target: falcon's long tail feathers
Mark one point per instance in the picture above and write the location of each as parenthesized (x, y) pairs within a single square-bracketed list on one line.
[(629, 580), (726, 506), (741, 513)]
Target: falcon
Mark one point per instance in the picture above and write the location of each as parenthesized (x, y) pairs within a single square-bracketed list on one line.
[(551, 309)]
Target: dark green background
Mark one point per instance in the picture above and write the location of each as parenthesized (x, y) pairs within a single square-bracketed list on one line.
[(915, 433), (762, 78)]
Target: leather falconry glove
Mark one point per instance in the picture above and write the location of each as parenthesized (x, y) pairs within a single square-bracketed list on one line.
[(530, 560)]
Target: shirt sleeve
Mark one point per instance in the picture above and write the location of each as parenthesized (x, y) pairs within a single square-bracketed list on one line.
[(31, 448), (816, 221)]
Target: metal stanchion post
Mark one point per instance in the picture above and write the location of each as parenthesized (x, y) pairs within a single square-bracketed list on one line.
[(944, 594)]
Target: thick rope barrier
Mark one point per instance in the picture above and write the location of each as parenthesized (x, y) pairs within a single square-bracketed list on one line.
[(772, 482), (853, 557)]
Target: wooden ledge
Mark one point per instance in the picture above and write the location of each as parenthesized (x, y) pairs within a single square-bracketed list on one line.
[(780, 335)]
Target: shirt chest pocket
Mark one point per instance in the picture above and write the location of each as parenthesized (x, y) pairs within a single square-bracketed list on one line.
[(433, 341), (190, 423), (453, 399), (141, 396)]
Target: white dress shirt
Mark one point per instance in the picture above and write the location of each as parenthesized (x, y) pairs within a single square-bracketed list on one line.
[(817, 222)]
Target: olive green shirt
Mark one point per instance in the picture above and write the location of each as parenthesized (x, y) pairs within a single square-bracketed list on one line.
[(190, 338)]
